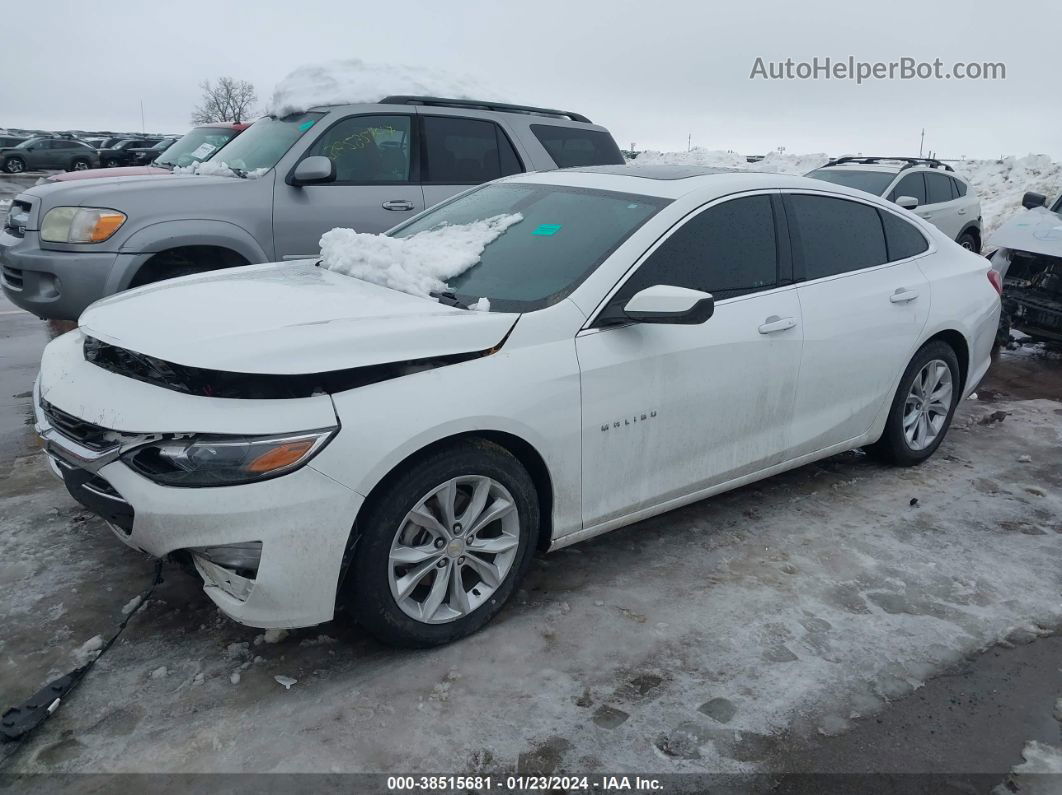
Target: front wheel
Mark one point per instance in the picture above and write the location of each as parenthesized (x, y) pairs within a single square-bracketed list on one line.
[(922, 409), (442, 548), (14, 165)]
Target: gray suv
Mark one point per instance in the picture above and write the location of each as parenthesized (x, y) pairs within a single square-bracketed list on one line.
[(272, 192), (42, 153)]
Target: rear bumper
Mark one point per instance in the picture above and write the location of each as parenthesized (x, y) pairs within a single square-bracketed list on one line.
[(53, 284)]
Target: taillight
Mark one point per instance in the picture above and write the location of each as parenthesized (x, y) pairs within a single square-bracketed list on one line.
[(997, 282)]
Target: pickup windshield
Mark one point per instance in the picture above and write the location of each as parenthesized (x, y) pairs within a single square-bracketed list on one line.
[(564, 235), (262, 144)]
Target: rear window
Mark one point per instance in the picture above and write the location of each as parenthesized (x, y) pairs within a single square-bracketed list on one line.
[(871, 181), (572, 146)]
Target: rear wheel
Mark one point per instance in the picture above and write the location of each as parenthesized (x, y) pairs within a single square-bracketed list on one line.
[(441, 549), (79, 164), (922, 409), (968, 240), (14, 165)]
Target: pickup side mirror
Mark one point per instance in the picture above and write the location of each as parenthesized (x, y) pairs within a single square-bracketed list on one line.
[(314, 171), (907, 202), (664, 303), (1032, 200)]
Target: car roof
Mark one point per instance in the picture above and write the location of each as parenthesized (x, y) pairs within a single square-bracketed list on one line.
[(672, 182), (890, 168)]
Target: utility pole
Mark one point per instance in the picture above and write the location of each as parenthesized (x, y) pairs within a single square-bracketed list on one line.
[(689, 142), (922, 142), (142, 128)]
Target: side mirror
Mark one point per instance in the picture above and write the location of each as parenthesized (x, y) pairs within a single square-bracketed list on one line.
[(1032, 200), (664, 303), (314, 171), (907, 202)]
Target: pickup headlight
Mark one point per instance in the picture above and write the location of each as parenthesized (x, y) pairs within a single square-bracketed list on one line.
[(80, 224), (225, 460)]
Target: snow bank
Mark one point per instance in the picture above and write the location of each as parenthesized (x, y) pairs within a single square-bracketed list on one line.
[(419, 264), (1000, 184), (354, 81)]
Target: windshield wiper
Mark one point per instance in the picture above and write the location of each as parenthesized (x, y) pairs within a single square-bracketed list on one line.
[(448, 298)]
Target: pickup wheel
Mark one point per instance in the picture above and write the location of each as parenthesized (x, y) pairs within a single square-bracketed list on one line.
[(14, 165), (922, 409), (441, 549), (185, 262)]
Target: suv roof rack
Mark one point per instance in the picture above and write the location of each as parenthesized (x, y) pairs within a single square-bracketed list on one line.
[(503, 107), (910, 162)]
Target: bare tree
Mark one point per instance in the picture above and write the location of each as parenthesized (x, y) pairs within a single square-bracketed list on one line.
[(226, 100)]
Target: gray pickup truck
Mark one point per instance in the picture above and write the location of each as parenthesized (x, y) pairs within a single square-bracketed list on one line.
[(272, 192)]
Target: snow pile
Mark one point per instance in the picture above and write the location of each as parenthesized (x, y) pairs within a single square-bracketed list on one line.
[(208, 168), (419, 264), (354, 81), (999, 184)]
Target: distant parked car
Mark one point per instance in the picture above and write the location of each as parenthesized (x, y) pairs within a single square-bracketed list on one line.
[(143, 156), (107, 143), (121, 154), (272, 192), (40, 153), (11, 140), (199, 144), (926, 186)]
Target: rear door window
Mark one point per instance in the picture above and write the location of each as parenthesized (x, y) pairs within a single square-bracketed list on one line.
[(573, 146), (938, 189), (836, 235), (466, 151)]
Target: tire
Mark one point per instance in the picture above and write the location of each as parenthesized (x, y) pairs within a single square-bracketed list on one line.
[(895, 446), (79, 164), (968, 240), (374, 580), (14, 165)]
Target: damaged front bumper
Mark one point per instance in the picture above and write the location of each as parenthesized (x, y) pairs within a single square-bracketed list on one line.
[(290, 532), (1032, 292)]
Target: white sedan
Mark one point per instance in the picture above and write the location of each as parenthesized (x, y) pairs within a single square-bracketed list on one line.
[(655, 336)]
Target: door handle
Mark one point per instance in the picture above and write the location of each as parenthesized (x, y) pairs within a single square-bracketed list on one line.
[(903, 295), (398, 205), (775, 323)]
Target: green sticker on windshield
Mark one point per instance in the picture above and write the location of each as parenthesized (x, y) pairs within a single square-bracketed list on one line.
[(306, 125), (547, 229)]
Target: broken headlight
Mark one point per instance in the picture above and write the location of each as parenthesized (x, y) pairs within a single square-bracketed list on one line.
[(225, 460)]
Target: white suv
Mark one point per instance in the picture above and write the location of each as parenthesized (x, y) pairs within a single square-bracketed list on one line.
[(917, 184)]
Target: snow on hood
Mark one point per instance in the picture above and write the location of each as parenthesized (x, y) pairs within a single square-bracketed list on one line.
[(419, 264), (354, 82), (209, 168), (286, 318), (1038, 231)]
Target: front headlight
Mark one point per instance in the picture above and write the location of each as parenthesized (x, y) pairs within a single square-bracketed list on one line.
[(225, 460), (80, 224)]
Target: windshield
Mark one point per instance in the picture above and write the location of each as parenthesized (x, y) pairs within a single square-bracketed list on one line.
[(564, 235), (871, 181), (196, 146), (266, 141)]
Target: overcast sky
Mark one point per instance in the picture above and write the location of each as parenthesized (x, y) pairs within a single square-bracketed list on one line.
[(653, 72)]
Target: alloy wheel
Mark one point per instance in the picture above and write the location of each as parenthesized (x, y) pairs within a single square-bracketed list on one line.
[(14, 166), (928, 404), (80, 165), (454, 549)]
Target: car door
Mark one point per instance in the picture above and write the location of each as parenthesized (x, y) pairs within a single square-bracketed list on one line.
[(864, 302), (374, 188), (669, 410), (459, 152), (45, 155), (942, 204)]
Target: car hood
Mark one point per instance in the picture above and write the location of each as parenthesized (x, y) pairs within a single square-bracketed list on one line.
[(287, 318), (1038, 231), (100, 173), (121, 193)]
